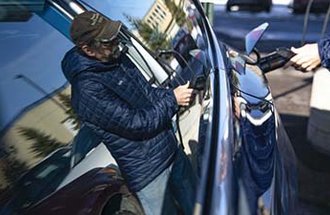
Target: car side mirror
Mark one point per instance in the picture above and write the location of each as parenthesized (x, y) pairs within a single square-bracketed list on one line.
[(253, 37), (251, 55)]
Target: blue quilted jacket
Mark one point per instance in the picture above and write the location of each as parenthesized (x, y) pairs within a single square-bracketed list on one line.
[(133, 118), (324, 50)]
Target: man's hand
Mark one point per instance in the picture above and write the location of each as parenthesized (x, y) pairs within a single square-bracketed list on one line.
[(307, 57), (183, 94)]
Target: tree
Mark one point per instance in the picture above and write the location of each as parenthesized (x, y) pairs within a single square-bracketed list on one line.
[(154, 38), (43, 144), (176, 11), (12, 168), (66, 101)]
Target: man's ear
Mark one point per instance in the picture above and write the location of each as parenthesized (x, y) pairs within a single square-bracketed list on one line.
[(88, 51)]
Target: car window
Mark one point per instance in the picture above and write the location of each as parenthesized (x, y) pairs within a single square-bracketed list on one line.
[(172, 30)]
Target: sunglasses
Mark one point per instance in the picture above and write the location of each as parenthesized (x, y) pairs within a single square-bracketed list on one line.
[(108, 42)]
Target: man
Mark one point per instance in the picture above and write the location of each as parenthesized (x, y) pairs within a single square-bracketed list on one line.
[(134, 119), (310, 56)]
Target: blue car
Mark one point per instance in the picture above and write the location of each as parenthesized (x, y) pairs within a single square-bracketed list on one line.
[(231, 132)]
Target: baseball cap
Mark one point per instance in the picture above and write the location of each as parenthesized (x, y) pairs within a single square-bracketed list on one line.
[(91, 25)]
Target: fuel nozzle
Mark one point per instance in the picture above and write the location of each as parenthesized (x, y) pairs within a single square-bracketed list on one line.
[(275, 59)]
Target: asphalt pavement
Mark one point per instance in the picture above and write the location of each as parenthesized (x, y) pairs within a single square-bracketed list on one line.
[(291, 91), (285, 29)]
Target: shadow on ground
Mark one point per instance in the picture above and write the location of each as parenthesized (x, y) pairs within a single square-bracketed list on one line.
[(313, 169)]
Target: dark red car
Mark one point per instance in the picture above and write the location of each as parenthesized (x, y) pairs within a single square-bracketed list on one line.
[(102, 189)]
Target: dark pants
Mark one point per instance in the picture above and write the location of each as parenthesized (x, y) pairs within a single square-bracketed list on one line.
[(181, 188)]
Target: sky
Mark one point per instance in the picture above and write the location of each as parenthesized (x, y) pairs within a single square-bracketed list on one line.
[(116, 9)]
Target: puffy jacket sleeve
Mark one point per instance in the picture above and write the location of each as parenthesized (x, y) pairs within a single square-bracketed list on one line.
[(159, 91), (324, 50), (116, 116)]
